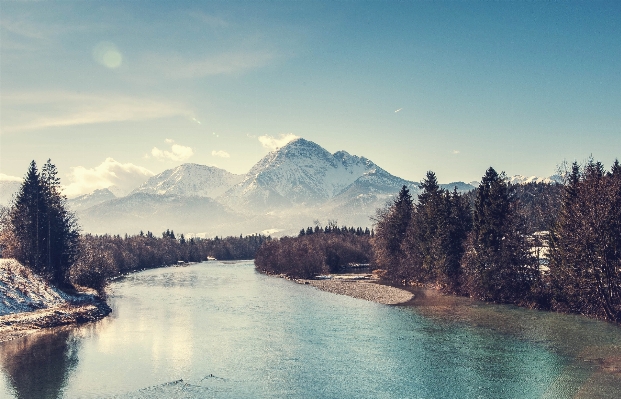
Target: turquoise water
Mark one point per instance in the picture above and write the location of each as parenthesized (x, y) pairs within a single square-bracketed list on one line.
[(217, 330)]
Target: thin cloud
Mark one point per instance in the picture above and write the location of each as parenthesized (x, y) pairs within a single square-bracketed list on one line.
[(124, 177), (26, 111), (176, 67), (4, 177), (221, 154), (455, 151), (272, 143), (210, 20), (177, 152)]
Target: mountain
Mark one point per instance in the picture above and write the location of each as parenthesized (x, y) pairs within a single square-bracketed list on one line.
[(519, 179), (87, 200), (360, 200), (303, 173), (190, 179), (297, 185), (158, 212)]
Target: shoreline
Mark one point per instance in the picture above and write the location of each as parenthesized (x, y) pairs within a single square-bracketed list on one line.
[(17, 325), (372, 290)]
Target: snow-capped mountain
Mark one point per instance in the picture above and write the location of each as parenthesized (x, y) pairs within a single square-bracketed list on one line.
[(293, 186), (519, 179), (190, 179), (87, 200), (300, 173)]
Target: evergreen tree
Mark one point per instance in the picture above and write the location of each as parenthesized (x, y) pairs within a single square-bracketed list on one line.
[(62, 236), (454, 231), (42, 234), (425, 237), (390, 232), (497, 262), (27, 224)]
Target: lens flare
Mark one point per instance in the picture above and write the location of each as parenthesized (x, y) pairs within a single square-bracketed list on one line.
[(108, 55)]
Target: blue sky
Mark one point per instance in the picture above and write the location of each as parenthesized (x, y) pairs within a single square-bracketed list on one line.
[(113, 92)]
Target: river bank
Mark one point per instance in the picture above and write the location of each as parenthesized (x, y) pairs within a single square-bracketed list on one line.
[(17, 325), (28, 303), (369, 289)]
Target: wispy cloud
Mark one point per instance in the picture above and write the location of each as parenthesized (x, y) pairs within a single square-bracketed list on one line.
[(272, 143), (455, 151), (4, 177), (230, 62), (177, 152), (210, 20), (23, 111), (220, 153), (124, 176)]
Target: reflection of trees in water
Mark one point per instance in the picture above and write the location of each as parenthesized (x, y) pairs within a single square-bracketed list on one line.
[(39, 365)]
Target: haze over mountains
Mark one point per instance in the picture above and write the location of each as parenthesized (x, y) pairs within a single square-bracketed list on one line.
[(296, 185)]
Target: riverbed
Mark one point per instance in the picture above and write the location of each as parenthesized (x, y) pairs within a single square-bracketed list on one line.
[(222, 330)]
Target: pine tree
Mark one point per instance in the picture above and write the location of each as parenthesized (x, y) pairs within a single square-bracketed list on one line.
[(62, 236), (42, 234), (390, 232), (430, 216), (27, 222), (497, 262), (455, 231)]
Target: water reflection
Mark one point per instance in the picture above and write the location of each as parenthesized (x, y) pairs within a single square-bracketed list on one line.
[(39, 365), (224, 331)]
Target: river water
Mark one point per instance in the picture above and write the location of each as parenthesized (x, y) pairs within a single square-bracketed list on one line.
[(221, 330)]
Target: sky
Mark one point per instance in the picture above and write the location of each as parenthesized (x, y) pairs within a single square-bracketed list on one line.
[(114, 92)]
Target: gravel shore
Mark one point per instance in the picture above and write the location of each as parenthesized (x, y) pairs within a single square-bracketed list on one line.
[(362, 289)]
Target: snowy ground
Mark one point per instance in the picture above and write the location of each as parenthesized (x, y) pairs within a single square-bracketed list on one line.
[(23, 291)]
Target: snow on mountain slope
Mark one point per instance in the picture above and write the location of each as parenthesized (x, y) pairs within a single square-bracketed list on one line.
[(87, 200), (300, 172), (519, 179), (190, 179)]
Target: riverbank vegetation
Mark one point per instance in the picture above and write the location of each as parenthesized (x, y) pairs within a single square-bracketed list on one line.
[(540, 245), (104, 256), (315, 251), (488, 244)]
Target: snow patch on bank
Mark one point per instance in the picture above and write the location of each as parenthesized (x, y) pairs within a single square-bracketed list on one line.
[(21, 290)]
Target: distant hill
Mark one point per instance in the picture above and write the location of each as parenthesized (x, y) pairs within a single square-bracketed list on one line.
[(88, 200)]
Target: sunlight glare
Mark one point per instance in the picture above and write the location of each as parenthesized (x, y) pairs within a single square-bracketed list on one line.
[(108, 55)]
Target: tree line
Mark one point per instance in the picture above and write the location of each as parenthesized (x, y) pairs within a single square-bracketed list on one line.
[(105, 256), (482, 244), (39, 231), (315, 251)]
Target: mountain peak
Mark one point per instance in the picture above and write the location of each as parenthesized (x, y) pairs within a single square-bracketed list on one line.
[(190, 179)]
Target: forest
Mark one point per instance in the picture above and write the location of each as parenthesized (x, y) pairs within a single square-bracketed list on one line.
[(546, 246)]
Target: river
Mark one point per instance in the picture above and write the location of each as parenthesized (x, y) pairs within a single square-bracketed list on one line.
[(221, 330)]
